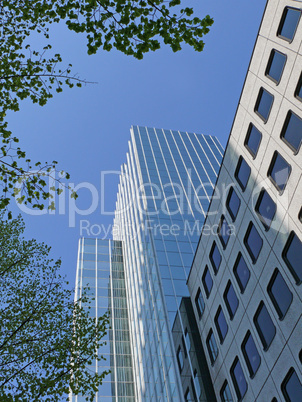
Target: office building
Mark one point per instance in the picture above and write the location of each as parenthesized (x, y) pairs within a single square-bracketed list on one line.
[(164, 193), (100, 273), (245, 282)]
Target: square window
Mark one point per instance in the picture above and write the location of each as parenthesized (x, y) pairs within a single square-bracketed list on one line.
[(231, 300), (275, 66), (252, 140), (265, 209), (233, 203), (264, 325), (288, 24), (221, 324), (223, 231), (215, 257), (291, 387), (207, 281), (250, 353), (238, 379), (279, 171), (212, 346), (253, 242), (279, 293), (291, 132), (298, 91), (241, 272), (264, 104), (199, 302), (225, 393), (242, 173), (292, 255)]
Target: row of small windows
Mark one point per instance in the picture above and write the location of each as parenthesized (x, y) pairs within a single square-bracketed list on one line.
[(278, 291)]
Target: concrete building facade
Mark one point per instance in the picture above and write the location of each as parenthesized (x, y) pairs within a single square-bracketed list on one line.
[(245, 282)]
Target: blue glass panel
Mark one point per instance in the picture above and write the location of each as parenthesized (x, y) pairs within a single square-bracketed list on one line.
[(289, 23), (279, 171), (292, 131), (265, 326), (276, 65), (264, 104), (242, 173), (266, 208), (253, 140)]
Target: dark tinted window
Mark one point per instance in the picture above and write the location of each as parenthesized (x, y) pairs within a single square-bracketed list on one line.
[(199, 302), (264, 104), (242, 173), (253, 242), (231, 300), (225, 393), (279, 293), (300, 215), (279, 171), (292, 255), (212, 346), (252, 140), (215, 257), (223, 231), (180, 359), (288, 24), (207, 281), (265, 208), (264, 325), (188, 395), (241, 271), (233, 203), (298, 91), (291, 387), (250, 353), (238, 379), (292, 131), (221, 324), (275, 66)]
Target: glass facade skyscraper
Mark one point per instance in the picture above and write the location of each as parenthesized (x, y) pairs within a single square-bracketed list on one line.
[(100, 272), (164, 193)]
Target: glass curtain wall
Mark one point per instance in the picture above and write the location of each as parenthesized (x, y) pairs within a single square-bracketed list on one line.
[(164, 193)]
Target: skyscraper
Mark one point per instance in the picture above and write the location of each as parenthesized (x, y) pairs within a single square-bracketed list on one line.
[(164, 193), (245, 282)]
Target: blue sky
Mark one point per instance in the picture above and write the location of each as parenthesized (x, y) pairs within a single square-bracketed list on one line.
[(87, 129)]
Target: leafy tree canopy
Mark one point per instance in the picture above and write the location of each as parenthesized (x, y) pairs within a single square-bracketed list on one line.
[(133, 27), (46, 339)]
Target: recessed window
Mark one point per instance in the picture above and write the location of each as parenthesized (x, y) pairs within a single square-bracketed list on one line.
[(288, 24), (253, 242), (300, 356), (252, 140), (279, 293), (233, 203), (221, 324), (223, 231), (265, 208), (225, 393), (242, 173), (199, 302), (215, 257), (291, 132), (188, 342), (180, 359), (207, 281), (197, 385), (212, 346), (250, 353), (275, 66), (298, 91), (238, 379), (264, 325), (241, 272), (279, 171), (188, 395), (184, 347), (264, 104), (300, 215), (291, 387), (292, 255), (231, 300)]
